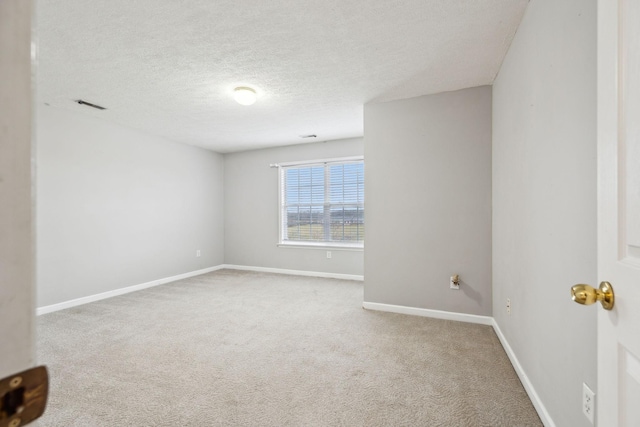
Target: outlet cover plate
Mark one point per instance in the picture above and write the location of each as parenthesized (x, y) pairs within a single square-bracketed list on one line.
[(588, 402)]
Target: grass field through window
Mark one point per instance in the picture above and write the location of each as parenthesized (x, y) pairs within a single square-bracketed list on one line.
[(315, 232)]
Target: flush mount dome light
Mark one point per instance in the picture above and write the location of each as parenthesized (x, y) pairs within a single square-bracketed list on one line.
[(244, 95)]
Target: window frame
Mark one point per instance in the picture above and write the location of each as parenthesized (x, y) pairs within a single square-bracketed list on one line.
[(333, 245)]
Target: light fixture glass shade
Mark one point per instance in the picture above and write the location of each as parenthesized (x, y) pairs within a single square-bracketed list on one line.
[(244, 95)]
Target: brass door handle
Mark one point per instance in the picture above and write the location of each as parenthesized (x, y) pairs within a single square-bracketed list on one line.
[(585, 294)]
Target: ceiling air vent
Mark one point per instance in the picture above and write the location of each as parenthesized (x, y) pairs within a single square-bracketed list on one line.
[(88, 104)]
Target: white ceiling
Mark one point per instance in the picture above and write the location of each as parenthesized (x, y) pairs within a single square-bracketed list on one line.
[(169, 67)]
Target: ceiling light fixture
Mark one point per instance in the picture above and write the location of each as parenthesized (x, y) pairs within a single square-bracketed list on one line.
[(244, 95)]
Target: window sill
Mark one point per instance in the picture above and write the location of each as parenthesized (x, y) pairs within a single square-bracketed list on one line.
[(322, 246)]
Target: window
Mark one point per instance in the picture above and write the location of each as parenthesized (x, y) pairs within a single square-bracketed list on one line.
[(322, 203)]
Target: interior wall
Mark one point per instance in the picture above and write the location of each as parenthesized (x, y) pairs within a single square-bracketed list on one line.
[(16, 241), (428, 195), (544, 192), (252, 210), (117, 207)]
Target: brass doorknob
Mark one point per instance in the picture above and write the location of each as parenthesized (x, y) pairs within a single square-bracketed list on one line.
[(585, 294)]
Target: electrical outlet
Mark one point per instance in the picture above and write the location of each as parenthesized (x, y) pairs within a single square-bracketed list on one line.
[(198, 253), (453, 284), (328, 254), (588, 402), (509, 306)]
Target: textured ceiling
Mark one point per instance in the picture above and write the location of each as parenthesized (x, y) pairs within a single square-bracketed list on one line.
[(169, 67)]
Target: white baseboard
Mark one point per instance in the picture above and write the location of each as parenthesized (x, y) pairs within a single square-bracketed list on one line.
[(524, 379), (295, 272), (97, 297), (437, 314)]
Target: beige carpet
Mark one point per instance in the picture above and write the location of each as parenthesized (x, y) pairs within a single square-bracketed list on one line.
[(234, 348)]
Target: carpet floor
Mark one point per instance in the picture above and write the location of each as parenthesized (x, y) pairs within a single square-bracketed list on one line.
[(233, 348)]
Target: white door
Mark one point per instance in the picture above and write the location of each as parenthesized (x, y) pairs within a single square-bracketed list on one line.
[(16, 241), (618, 401)]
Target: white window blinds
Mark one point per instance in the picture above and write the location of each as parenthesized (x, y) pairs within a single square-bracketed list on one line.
[(323, 203)]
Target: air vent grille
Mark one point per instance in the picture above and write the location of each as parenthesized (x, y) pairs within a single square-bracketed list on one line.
[(89, 104)]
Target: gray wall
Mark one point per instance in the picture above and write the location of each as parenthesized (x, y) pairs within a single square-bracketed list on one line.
[(544, 193), (16, 241), (116, 207), (251, 210), (428, 195)]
